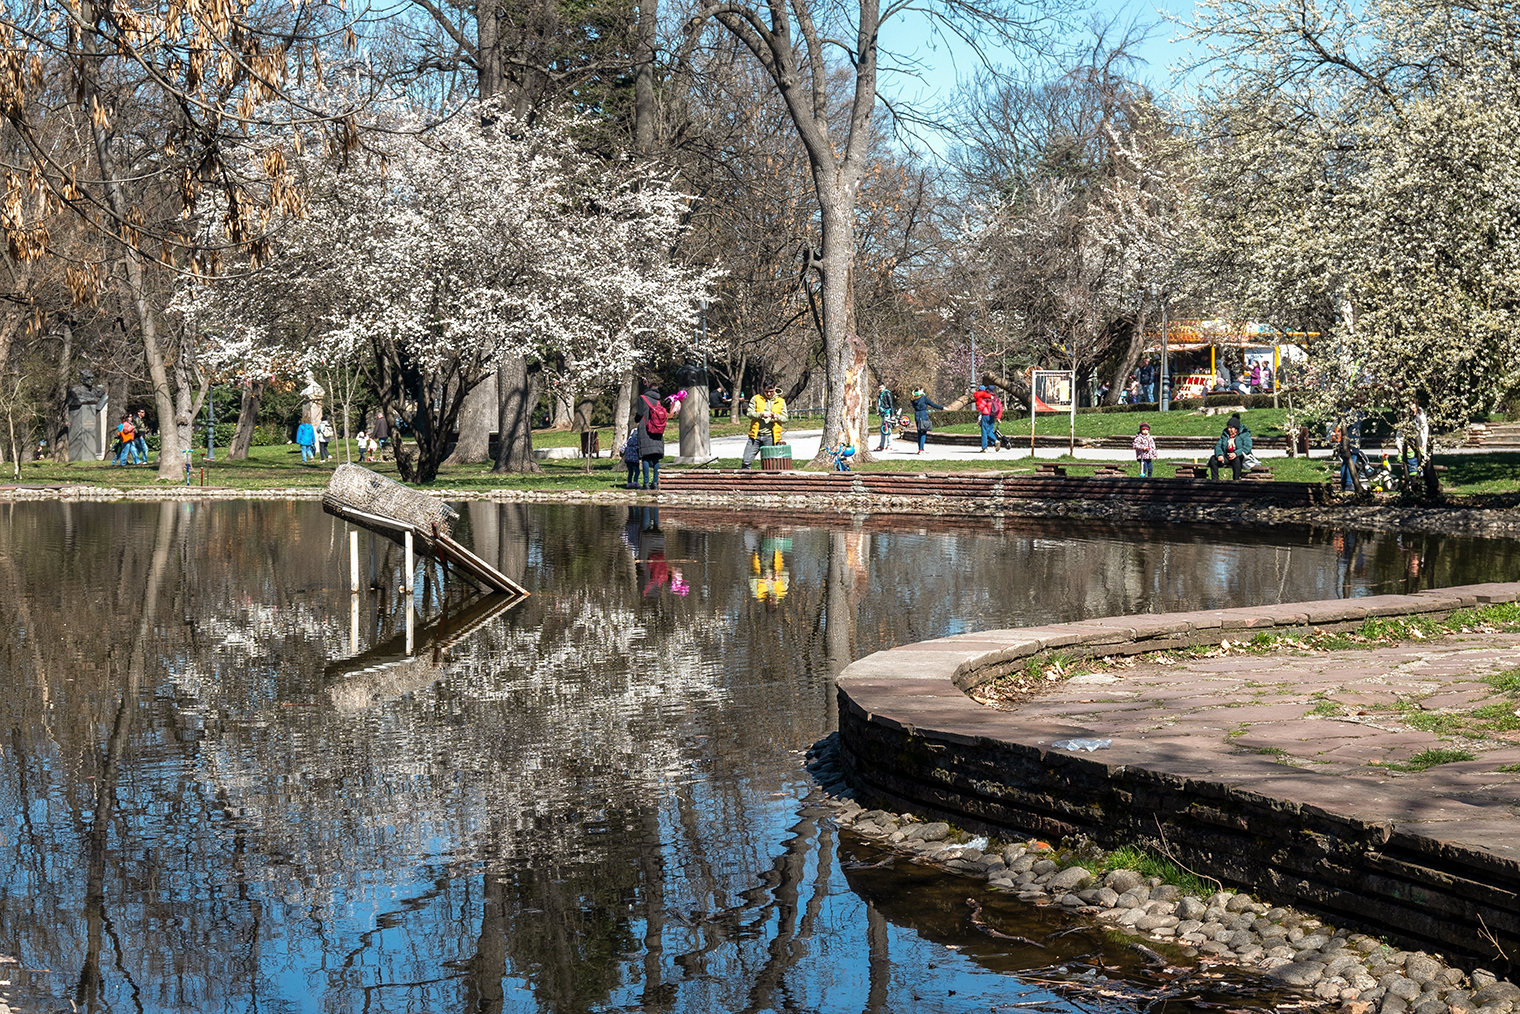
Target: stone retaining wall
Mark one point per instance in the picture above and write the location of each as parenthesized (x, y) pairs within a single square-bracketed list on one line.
[(910, 738)]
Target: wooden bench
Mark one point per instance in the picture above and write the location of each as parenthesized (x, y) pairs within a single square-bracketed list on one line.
[(1261, 473)]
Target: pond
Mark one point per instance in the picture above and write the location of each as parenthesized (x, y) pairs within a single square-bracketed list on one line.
[(229, 786)]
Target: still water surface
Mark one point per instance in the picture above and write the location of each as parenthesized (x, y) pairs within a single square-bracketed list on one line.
[(228, 787)]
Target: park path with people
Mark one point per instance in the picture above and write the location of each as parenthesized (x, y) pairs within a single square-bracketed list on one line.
[(805, 445)]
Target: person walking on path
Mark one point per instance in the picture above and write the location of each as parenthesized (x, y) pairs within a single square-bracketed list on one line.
[(886, 409), (631, 459), (380, 433), (651, 416), (1145, 450), (767, 414), (1230, 449), (306, 436), (985, 414), (324, 437), (126, 436), (922, 403), (140, 441)]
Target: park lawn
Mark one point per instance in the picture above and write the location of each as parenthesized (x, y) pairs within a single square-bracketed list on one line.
[(1491, 474), (1263, 422), (280, 467)]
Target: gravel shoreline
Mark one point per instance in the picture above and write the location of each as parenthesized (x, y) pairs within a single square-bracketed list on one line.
[(1340, 967), (1454, 520)]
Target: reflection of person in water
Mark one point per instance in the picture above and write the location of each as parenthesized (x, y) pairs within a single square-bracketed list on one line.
[(1350, 560), (656, 571), (646, 540), (769, 578)]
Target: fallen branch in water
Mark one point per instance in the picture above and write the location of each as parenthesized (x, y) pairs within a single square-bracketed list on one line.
[(981, 924)]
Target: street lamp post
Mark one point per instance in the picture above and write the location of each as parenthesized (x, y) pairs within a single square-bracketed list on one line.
[(1166, 376)]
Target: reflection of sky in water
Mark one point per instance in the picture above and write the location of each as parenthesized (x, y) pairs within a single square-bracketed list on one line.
[(588, 802)]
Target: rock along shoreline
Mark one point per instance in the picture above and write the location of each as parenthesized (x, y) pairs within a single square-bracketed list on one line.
[(1343, 969)]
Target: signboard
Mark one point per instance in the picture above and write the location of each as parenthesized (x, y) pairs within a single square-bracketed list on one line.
[(1053, 391)]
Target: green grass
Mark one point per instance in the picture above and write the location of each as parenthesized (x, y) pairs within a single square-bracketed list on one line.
[(280, 466), (1503, 616), (1326, 709), (1427, 759), (1507, 682), (1481, 474), (1384, 631), (1263, 422), (1510, 769), (1147, 865), (1440, 723)]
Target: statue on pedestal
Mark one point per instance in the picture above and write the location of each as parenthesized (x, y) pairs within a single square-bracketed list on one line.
[(89, 419), (312, 396)]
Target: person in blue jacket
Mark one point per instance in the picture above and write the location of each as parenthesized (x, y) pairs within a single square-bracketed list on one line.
[(922, 403), (306, 436)]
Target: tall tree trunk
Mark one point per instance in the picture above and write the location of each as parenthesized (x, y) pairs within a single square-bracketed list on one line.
[(735, 403), (643, 78), (844, 353), (514, 424), (1133, 350), (580, 419), (476, 420), (248, 418), (187, 406), (93, 108), (559, 407), (58, 407), (622, 412)]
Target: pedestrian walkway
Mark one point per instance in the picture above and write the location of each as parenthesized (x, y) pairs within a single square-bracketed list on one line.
[(1380, 785), (805, 445)]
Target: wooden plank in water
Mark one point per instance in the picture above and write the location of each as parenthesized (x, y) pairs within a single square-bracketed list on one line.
[(432, 544)]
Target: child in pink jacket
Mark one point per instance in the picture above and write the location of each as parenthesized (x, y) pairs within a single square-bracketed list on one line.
[(1145, 450)]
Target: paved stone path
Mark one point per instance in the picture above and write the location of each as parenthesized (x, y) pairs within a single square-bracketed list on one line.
[(1331, 722)]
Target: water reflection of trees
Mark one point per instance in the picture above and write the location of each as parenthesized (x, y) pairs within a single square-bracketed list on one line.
[(586, 802)]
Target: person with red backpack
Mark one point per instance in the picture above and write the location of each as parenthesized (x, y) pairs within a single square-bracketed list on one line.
[(651, 416), (985, 402)]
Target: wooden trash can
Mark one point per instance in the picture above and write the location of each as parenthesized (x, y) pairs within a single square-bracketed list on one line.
[(591, 443), (777, 458)]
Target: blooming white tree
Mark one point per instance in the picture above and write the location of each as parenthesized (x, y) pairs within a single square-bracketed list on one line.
[(1362, 181), (448, 251), (1085, 219)]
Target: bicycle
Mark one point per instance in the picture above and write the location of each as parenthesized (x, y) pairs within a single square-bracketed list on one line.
[(841, 456)]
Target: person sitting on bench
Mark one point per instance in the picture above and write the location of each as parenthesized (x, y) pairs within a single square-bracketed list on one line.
[(1231, 449)]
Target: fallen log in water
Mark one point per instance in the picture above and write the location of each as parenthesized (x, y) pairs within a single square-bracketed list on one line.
[(384, 506)]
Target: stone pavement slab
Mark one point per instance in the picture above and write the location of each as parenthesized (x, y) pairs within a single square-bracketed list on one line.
[(1232, 743)]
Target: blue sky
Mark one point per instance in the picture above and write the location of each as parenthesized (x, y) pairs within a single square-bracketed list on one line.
[(944, 66)]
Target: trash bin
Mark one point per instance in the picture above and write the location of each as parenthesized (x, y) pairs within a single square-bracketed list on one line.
[(591, 443), (776, 459)]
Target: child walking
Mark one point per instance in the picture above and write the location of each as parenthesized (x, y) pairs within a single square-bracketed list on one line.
[(1145, 449), (631, 460)]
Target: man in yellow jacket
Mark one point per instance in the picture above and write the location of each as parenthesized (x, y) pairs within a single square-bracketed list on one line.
[(767, 411)]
